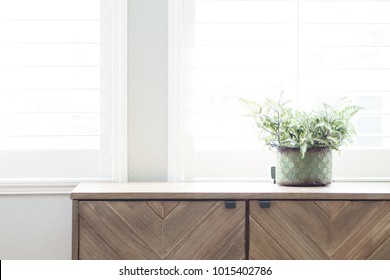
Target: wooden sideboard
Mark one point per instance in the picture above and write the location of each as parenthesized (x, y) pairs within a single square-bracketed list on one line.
[(230, 221)]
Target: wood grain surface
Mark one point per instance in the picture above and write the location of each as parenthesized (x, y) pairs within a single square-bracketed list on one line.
[(320, 230), (229, 190), (161, 230), (75, 229)]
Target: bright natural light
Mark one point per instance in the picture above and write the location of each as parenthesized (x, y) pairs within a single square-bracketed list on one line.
[(56, 89), (50, 75), (313, 51)]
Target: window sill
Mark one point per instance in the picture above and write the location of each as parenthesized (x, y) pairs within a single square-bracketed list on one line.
[(36, 189), (42, 187)]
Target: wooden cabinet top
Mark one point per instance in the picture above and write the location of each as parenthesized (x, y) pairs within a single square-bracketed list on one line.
[(229, 190)]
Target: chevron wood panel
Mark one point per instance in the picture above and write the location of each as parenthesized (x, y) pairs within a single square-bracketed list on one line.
[(208, 233), (382, 252), (320, 230), (366, 235), (263, 246), (231, 247), (281, 227), (163, 209), (161, 230), (331, 208), (312, 221), (92, 246), (116, 232), (186, 219)]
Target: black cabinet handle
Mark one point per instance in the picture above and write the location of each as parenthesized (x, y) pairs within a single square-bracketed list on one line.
[(265, 203), (230, 204)]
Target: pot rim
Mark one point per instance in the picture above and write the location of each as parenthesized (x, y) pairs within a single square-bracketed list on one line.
[(286, 149)]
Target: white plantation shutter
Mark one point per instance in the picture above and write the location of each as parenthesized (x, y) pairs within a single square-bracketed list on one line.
[(313, 50), (345, 51), (55, 103)]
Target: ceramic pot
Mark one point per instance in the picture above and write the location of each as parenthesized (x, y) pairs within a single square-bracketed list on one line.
[(315, 169)]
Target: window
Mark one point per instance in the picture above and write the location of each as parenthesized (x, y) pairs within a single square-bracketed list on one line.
[(59, 89), (312, 50)]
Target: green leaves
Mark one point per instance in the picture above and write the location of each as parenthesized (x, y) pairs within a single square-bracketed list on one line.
[(283, 126)]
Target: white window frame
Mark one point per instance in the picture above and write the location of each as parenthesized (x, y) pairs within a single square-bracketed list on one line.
[(174, 165), (119, 90), (119, 128), (175, 111)]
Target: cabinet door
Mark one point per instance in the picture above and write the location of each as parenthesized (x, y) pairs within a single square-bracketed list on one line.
[(320, 230), (161, 230)]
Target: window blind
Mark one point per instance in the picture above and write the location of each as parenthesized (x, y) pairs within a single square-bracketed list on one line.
[(344, 50), (312, 50), (55, 109)]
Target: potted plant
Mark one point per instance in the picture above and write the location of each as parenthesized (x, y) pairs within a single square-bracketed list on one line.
[(303, 140)]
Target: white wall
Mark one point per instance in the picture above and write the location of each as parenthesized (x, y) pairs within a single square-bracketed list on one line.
[(35, 227), (39, 226), (148, 89)]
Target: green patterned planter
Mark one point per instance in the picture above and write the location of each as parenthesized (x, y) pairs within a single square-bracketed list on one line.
[(315, 169)]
